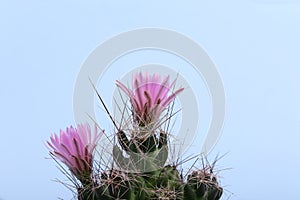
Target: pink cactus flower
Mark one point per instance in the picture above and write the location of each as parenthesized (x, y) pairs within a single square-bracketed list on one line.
[(149, 96), (74, 147)]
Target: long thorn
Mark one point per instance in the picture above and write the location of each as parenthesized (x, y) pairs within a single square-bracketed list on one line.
[(106, 109)]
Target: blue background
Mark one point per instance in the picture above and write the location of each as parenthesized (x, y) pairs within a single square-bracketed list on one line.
[(254, 43)]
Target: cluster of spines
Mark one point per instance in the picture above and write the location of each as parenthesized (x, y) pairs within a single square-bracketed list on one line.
[(130, 181)]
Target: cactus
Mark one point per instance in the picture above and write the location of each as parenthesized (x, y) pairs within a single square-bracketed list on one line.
[(140, 170), (164, 183)]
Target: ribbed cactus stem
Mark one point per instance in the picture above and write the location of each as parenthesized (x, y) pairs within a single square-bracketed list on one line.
[(202, 185), (144, 175)]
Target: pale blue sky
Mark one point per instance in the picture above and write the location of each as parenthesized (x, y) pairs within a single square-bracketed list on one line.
[(255, 45)]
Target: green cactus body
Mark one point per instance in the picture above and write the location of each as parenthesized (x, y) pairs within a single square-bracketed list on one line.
[(143, 175), (202, 185)]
